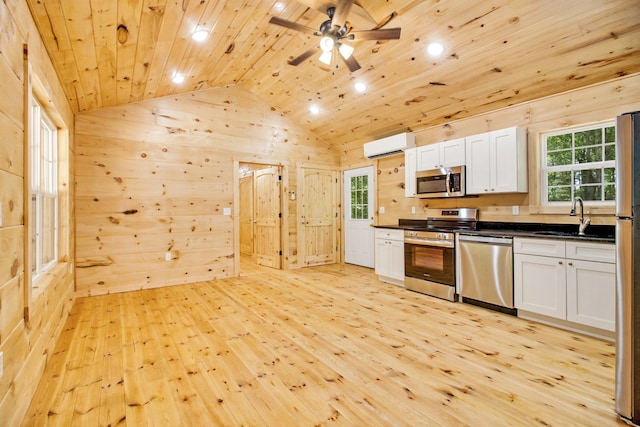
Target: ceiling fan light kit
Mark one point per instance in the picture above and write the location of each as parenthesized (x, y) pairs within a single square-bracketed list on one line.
[(336, 29), (325, 58), (345, 50), (327, 43)]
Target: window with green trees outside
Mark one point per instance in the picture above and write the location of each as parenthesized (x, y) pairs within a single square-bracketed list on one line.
[(359, 197), (579, 162)]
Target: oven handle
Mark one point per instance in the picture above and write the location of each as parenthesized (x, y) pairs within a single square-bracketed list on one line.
[(423, 242)]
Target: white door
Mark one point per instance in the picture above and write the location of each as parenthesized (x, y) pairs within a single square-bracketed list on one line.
[(358, 216)]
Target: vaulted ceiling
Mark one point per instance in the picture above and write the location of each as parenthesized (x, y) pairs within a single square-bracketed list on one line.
[(497, 53)]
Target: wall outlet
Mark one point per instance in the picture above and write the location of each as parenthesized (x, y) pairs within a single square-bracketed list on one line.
[(515, 210), (413, 210), (167, 256), (381, 209), (226, 211)]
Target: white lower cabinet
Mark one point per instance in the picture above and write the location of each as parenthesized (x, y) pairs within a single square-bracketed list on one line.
[(389, 255), (591, 294), (567, 280), (540, 285)]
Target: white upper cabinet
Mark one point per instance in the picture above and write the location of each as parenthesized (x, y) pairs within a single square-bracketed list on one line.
[(410, 164), (452, 153), (497, 162), (443, 154)]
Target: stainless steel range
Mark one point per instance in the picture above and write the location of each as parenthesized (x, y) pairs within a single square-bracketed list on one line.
[(429, 250)]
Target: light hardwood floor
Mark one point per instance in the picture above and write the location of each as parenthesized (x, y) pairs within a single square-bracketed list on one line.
[(320, 346)]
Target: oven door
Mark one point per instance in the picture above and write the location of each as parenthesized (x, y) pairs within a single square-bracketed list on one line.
[(433, 262)]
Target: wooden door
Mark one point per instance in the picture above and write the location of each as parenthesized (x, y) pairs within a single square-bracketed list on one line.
[(246, 215), (319, 215), (267, 217)]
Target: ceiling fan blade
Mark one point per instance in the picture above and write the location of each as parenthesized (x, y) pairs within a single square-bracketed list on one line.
[(351, 62), (300, 59), (385, 21), (291, 25), (383, 34), (322, 6), (342, 11), (362, 12)]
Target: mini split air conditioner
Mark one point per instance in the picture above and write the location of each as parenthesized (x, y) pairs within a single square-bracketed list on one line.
[(389, 146)]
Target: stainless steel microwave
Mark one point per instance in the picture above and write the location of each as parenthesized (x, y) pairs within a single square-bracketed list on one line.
[(443, 182)]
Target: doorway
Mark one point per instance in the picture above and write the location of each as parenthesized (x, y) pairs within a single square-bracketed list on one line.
[(358, 217), (318, 214), (260, 216)]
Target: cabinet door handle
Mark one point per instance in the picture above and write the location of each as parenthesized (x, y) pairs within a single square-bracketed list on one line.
[(560, 262), (571, 264)]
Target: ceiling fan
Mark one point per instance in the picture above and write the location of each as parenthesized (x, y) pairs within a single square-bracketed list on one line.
[(335, 31)]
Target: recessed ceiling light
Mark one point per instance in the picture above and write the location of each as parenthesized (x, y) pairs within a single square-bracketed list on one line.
[(178, 78), (360, 87), (200, 35), (279, 6), (314, 109), (435, 49)]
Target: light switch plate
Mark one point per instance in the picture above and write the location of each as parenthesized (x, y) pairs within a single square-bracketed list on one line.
[(167, 256), (515, 210), (226, 211), (413, 210), (381, 209)]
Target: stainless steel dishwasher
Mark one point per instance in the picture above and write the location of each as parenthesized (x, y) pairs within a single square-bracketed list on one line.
[(486, 272)]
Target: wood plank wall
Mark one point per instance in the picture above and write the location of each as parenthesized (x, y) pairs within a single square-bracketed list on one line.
[(588, 105), (26, 346), (155, 176)]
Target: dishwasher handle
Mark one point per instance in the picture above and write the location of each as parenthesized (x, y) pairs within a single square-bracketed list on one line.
[(502, 241)]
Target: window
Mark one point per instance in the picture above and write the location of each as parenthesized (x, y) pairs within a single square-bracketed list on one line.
[(579, 162), (360, 197), (44, 191)]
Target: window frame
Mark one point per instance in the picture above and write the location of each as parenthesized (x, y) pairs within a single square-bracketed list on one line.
[(43, 174), (546, 170), (361, 193)]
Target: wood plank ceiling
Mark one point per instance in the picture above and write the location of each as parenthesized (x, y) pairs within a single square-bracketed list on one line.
[(497, 53)]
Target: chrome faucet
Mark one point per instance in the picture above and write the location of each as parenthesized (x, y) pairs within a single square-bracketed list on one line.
[(583, 223)]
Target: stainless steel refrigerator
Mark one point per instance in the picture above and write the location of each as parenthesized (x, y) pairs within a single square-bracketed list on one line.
[(628, 266)]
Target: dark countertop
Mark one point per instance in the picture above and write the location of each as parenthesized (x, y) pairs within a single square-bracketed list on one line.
[(593, 233)]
